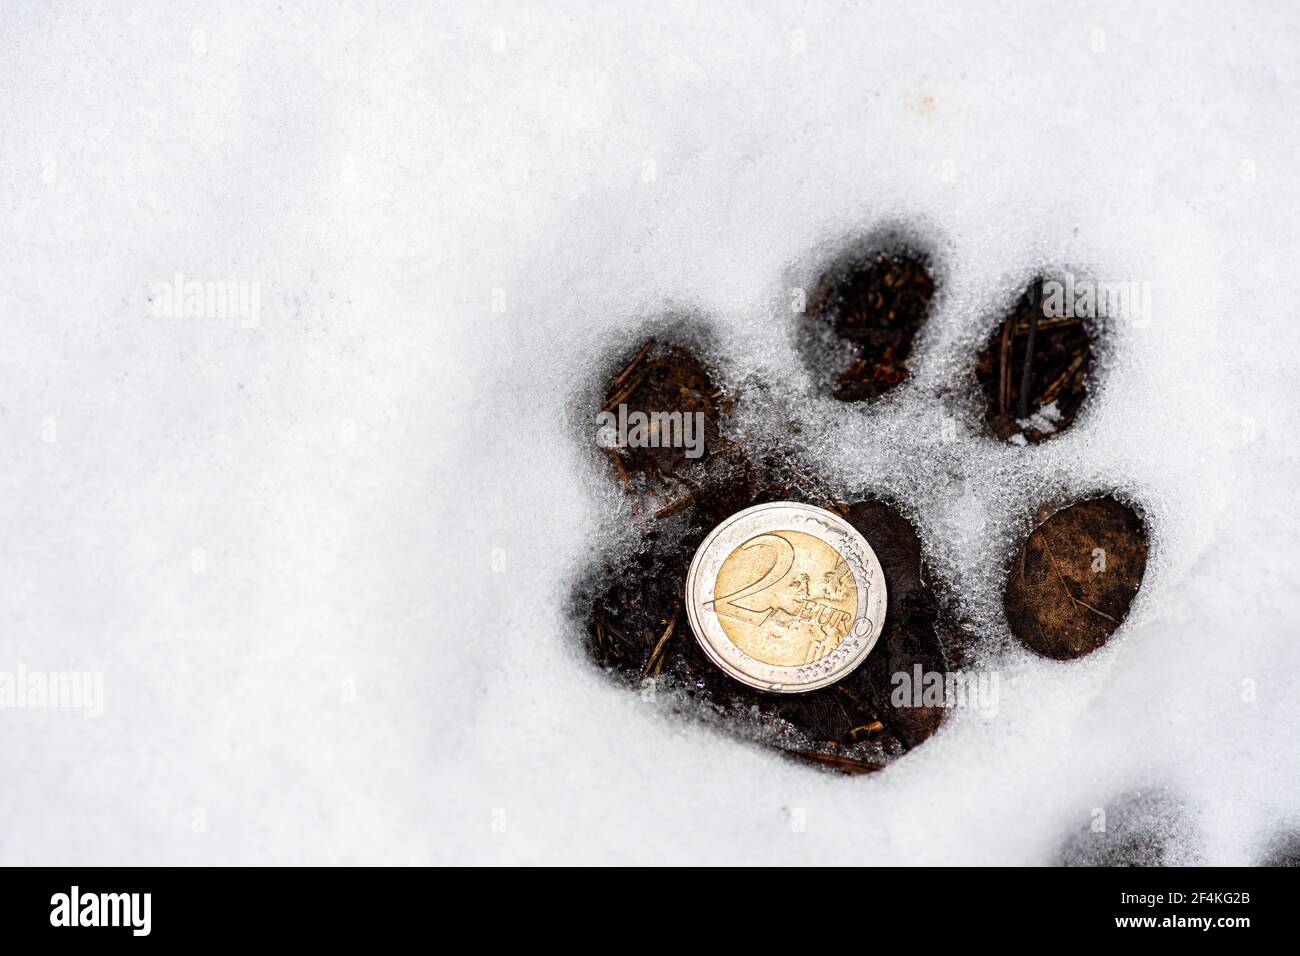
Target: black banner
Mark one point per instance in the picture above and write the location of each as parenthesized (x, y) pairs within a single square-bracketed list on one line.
[(134, 906)]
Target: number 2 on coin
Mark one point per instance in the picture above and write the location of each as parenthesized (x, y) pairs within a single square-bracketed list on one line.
[(783, 561)]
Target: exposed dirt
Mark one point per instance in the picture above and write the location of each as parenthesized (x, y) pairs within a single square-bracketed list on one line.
[(636, 625), (1034, 369), (1075, 576), (862, 320), (665, 377), (1068, 590)]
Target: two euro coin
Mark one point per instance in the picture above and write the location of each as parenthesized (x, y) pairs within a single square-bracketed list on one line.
[(786, 597)]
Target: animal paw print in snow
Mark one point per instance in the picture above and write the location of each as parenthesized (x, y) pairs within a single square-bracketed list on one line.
[(1066, 592)]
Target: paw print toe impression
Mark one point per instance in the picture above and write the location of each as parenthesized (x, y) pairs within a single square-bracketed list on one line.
[(1034, 369), (1075, 576), (862, 319), (662, 415)]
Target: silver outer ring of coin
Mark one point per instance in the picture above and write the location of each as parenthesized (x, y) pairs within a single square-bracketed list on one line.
[(786, 516)]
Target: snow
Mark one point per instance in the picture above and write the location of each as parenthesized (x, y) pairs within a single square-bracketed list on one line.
[(321, 555)]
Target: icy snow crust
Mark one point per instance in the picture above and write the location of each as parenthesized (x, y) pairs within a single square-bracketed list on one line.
[(456, 217)]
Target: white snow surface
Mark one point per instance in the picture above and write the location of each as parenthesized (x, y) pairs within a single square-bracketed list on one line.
[(322, 560)]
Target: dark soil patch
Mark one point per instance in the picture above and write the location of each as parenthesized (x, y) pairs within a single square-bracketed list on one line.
[(1071, 585), (665, 378), (1030, 362), (633, 607), (864, 315)]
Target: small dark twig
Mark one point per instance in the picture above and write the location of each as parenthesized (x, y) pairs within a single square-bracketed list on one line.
[(675, 507), (627, 370), (1004, 362), (659, 648), (1027, 375), (837, 762)]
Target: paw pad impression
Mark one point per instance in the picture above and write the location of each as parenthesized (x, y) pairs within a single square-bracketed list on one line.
[(1066, 592)]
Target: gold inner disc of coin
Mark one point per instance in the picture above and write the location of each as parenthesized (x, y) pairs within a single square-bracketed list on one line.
[(785, 598)]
